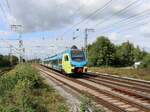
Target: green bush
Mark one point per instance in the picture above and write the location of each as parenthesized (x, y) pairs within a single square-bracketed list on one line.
[(146, 62), (5, 61), (23, 90)]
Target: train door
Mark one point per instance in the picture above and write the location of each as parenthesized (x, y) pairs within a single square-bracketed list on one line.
[(66, 64)]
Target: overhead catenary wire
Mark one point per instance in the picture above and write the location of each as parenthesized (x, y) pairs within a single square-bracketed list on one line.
[(126, 28), (127, 25), (3, 12), (90, 15), (124, 10), (9, 44), (8, 6), (135, 26), (6, 19), (105, 20), (126, 20), (100, 11), (117, 13), (14, 49)]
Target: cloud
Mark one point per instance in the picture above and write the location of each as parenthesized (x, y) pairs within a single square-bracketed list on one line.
[(41, 15)]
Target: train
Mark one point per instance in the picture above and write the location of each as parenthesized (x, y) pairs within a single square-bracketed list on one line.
[(71, 61)]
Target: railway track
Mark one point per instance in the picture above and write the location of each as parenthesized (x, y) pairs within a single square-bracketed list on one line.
[(125, 90), (105, 95), (133, 82), (125, 87)]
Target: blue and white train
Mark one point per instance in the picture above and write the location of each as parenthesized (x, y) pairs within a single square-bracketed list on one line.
[(73, 60)]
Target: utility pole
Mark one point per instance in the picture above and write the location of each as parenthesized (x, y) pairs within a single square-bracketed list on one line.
[(23, 53), (18, 28), (86, 41), (20, 50), (10, 55)]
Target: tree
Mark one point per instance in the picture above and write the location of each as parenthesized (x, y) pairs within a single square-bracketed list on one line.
[(125, 54), (138, 54), (14, 60), (104, 53), (101, 52), (146, 62), (5, 60)]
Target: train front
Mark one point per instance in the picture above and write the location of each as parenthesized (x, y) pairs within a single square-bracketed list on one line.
[(78, 61)]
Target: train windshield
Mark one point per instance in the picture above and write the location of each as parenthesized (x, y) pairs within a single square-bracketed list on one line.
[(77, 55)]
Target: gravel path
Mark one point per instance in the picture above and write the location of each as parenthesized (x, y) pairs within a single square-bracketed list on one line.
[(71, 96)]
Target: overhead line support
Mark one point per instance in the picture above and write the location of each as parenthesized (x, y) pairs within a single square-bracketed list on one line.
[(86, 41)]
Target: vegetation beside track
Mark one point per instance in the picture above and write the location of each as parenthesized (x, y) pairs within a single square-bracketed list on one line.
[(143, 74), (7, 61), (88, 105), (106, 57), (103, 52), (23, 90)]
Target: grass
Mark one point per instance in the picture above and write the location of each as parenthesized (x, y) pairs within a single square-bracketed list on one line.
[(87, 104), (143, 74), (23, 90)]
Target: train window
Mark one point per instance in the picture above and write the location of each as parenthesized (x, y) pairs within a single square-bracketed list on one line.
[(77, 55), (66, 58)]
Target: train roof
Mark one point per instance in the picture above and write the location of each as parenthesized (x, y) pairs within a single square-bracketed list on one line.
[(59, 55)]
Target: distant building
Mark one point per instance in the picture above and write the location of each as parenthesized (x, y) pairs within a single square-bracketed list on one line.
[(137, 64)]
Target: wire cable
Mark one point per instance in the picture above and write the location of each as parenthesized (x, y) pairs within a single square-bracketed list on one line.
[(3, 12), (133, 26), (126, 19), (90, 15), (117, 13), (8, 6)]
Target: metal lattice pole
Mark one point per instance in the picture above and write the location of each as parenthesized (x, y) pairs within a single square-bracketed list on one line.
[(86, 41)]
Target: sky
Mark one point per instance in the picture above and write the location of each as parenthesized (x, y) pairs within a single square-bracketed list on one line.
[(48, 26)]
